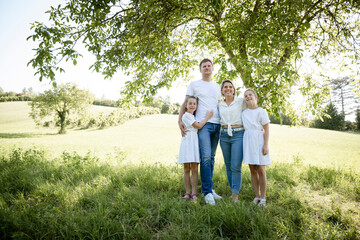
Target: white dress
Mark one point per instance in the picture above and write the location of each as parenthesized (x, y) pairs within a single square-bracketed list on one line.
[(189, 147), (254, 120)]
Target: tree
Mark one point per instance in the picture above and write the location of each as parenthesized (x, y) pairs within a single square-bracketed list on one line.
[(159, 41), (343, 94), (1, 90), (25, 90), (31, 90), (333, 120), (357, 119), (60, 102)]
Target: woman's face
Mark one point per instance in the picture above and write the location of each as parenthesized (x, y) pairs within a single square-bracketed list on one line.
[(228, 90)]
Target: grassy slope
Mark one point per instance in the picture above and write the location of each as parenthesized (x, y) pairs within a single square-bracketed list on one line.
[(156, 138), (313, 183), (153, 138)]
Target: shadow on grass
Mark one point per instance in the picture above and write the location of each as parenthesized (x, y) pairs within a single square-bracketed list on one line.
[(24, 135), (92, 129)]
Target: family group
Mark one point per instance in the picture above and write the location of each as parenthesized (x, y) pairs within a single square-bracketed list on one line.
[(211, 112)]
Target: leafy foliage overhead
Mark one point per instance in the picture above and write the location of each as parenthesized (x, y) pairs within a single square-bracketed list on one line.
[(159, 41)]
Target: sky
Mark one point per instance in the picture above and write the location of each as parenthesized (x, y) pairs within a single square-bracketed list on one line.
[(16, 52)]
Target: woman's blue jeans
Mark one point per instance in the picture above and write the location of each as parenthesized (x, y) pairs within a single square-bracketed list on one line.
[(208, 141), (232, 149)]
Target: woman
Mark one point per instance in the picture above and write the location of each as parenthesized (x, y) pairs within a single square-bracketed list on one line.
[(231, 136)]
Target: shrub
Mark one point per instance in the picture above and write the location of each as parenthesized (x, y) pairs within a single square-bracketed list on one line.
[(284, 120), (334, 121), (350, 126), (165, 108), (357, 120)]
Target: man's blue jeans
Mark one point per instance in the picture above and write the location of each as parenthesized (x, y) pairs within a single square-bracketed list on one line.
[(208, 141), (232, 149)]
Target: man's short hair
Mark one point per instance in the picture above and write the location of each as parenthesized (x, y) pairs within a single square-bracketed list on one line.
[(205, 60)]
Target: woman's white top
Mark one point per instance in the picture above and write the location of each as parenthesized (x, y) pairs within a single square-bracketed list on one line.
[(254, 120), (231, 115), (189, 147), (209, 95)]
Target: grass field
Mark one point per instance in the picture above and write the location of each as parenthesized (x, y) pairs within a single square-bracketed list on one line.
[(123, 182)]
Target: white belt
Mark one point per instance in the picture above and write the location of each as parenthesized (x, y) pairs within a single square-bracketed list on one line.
[(229, 130)]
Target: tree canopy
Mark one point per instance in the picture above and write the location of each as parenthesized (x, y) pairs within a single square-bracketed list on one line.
[(59, 103), (343, 94), (258, 42)]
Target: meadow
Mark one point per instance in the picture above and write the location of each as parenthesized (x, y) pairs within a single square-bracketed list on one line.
[(123, 183)]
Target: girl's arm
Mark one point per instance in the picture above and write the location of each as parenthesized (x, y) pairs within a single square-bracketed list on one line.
[(203, 122), (265, 149)]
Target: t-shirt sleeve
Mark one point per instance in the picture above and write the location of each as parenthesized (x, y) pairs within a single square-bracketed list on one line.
[(190, 90), (188, 119), (264, 117), (219, 96)]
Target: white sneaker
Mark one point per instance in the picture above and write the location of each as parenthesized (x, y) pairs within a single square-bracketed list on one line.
[(256, 200), (262, 202), (216, 197), (209, 199)]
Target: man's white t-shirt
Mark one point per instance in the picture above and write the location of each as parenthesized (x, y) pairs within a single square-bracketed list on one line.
[(209, 95)]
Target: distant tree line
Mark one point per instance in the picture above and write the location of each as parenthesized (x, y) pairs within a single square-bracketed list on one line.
[(343, 101), (333, 119), (12, 96), (163, 105), (106, 103)]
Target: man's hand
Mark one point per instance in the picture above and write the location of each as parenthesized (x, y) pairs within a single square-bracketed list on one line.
[(182, 128)]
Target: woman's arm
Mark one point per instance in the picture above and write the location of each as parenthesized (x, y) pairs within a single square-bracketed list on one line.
[(265, 149), (203, 122)]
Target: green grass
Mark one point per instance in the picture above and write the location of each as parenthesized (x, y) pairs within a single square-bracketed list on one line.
[(124, 183)]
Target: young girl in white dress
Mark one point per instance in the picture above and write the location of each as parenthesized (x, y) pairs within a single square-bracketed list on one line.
[(256, 144), (189, 147)]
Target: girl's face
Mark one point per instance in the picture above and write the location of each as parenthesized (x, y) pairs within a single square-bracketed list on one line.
[(191, 105), (250, 97), (228, 90)]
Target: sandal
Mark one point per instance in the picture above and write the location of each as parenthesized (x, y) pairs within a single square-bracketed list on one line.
[(235, 198), (256, 200), (194, 197), (186, 197), (262, 202)]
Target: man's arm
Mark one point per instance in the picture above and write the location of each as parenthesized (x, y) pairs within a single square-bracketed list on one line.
[(181, 113)]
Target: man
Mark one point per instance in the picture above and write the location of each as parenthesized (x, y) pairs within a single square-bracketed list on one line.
[(209, 95)]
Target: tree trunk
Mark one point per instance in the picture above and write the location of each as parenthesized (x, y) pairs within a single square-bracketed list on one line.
[(62, 116)]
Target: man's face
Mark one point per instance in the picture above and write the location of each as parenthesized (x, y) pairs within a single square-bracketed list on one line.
[(206, 68)]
